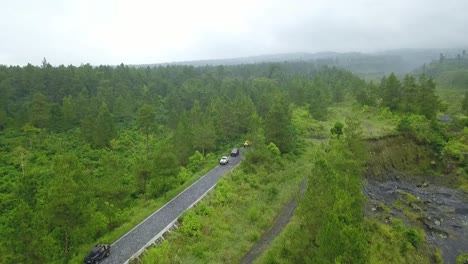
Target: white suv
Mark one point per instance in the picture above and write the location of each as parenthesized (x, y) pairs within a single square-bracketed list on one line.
[(224, 160)]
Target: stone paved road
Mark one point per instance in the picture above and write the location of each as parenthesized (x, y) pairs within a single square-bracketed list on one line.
[(136, 240)]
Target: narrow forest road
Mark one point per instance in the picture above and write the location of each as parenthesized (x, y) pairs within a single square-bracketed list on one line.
[(133, 243)]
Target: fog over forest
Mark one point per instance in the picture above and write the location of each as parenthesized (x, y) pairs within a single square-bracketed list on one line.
[(146, 32)]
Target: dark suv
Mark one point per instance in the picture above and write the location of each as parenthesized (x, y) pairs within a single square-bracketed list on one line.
[(98, 253), (235, 152)]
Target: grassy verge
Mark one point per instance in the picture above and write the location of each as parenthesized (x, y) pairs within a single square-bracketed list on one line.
[(279, 249), (230, 219)]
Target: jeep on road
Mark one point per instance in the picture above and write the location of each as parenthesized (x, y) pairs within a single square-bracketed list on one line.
[(98, 253)]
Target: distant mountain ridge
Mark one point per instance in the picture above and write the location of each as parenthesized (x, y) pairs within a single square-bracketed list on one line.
[(367, 65)]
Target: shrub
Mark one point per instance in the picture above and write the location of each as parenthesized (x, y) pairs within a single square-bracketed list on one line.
[(414, 236), (191, 224), (257, 158), (385, 114), (195, 161), (272, 193), (160, 185), (337, 129), (274, 150), (454, 151), (462, 259), (422, 129), (253, 214), (184, 174), (223, 192), (158, 254), (253, 236), (205, 209), (438, 257)]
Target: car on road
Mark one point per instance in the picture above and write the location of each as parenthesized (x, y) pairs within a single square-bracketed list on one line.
[(224, 160), (235, 152), (98, 253)]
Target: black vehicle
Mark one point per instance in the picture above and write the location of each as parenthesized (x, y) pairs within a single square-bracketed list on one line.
[(98, 253), (235, 152)]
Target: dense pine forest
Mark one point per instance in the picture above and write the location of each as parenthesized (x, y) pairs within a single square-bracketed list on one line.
[(87, 152)]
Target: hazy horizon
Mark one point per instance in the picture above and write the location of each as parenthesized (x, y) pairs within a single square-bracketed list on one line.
[(147, 32)]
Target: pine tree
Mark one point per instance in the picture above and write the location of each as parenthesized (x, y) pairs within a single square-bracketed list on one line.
[(56, 122), (204, 136), (146, 122), (67, 207), (391, 92), (428, 102), (320, 99), (278, 125), (182, 139), (69, 114), (39, 113), (409, 93), (104, 128)]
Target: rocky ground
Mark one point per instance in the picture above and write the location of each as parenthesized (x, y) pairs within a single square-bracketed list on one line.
[(441, 211)]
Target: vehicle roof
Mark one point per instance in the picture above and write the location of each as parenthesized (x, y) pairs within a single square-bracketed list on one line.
[(224, 157)]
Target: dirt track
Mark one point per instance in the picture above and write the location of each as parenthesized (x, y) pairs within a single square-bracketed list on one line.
[(281, 221)]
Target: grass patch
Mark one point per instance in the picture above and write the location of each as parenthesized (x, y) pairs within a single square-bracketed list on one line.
[(375, 123), (396, 243), (384, 208)]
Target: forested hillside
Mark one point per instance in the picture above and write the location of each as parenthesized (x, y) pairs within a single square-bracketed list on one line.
[(366, 65), (449, 71), (329, 225), (84, 148)]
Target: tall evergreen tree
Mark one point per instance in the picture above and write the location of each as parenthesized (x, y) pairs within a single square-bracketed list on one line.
[(409, 93), (104, 127), (427, 99), (319, 99), (56, 122), (331, 210), (204, 136), (278, 125), (391, 92), (182, 139), (39, 111), (66, 204), (69, 114), (146, 122)]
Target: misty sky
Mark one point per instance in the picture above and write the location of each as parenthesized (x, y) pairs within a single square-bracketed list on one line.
[(145, 31)]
